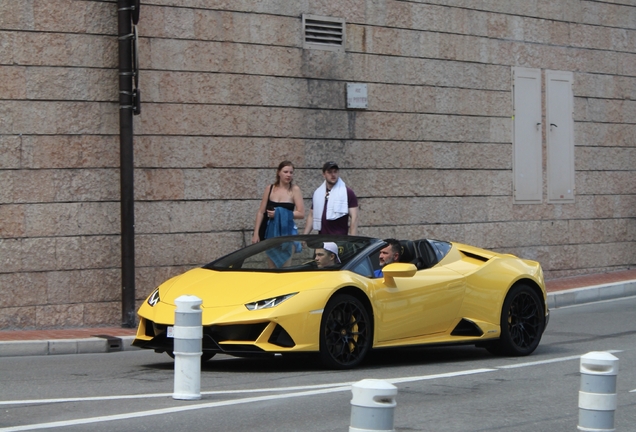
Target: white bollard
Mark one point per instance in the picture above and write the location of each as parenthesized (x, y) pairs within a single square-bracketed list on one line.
[(597, 397), (188, 336), (372, 406)]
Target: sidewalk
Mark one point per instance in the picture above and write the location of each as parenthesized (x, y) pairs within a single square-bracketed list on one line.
[(590, 288), (561, 293)]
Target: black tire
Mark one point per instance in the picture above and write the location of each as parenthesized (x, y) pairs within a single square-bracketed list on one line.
[(346, 332), (522, 323)]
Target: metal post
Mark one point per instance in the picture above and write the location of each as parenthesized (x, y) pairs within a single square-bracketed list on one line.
[(372, 406), (125, 33), (188, 336), (597, 397)]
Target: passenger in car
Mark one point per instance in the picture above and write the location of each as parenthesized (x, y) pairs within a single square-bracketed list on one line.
[(327, 256), (390, 253)]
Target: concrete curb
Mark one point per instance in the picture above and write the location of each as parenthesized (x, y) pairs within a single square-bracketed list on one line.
[(591, 294), (66, 346), (558, 299)]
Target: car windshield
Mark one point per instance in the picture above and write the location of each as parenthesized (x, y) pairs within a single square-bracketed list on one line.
[(295, 253)]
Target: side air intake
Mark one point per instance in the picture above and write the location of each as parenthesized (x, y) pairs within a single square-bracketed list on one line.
[(466, 328), (474, 256), (281, 338)]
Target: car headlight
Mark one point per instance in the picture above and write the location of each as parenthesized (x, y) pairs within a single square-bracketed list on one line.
[(154, 297), (268, 303)]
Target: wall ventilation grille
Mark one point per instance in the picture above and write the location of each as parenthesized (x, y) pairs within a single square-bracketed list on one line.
[(323, 33)]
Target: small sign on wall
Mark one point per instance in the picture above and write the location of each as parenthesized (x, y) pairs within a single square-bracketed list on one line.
[(357, 96)]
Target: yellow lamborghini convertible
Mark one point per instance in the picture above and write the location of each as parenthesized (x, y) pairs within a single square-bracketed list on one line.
[(329, 295)]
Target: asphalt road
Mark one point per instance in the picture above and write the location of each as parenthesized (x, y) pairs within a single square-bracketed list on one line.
[(439, 389)]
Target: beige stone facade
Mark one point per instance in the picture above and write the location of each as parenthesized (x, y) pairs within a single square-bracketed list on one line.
[(228, 92)]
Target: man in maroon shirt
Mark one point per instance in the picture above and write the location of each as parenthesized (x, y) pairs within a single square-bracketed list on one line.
[(333, 203)]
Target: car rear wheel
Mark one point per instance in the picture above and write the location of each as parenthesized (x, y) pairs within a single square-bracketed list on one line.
[(522, 323), (345, 332)]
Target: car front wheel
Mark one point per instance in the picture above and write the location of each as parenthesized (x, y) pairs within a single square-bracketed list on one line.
[(345, 332), (522, 323)]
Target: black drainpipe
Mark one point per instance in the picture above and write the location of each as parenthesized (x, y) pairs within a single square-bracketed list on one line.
[(128, 14)]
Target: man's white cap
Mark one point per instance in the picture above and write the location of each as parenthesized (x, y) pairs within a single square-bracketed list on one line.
[(333, 248)]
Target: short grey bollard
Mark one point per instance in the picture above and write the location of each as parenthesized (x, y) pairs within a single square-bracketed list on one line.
[(372, 406), (188, 335), (597, 397)]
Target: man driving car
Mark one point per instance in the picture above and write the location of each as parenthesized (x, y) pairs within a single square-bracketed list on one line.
[(388, 254)]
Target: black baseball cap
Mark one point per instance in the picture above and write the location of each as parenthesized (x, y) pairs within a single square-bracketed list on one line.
[(329, 165)]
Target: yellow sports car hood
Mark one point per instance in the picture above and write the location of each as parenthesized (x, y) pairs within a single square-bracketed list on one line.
[(231, 288)]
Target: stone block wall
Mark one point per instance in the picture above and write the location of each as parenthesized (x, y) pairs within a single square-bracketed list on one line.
[(59, 164), (228, 92)]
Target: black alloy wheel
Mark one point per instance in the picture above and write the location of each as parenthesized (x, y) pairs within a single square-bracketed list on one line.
[(345, 332), (522, 323)]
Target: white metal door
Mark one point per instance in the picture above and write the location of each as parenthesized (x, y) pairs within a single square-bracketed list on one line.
[(527, 138), (560, 136)]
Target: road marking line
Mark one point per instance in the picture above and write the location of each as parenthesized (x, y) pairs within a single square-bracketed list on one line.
[(436, 376), (555, 360), (540, 362), (160, 395), (229, 392), (333, 389), (308, 391), (172, 410)]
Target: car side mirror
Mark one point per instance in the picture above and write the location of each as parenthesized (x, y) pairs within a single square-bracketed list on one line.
[(401, 270)]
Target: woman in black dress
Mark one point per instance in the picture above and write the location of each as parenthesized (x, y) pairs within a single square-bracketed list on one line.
[(282, 196)]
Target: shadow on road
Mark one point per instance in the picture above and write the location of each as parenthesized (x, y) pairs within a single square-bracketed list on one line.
[(310, 362)]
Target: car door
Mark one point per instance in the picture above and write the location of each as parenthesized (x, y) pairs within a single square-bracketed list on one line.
[(423, 304)]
